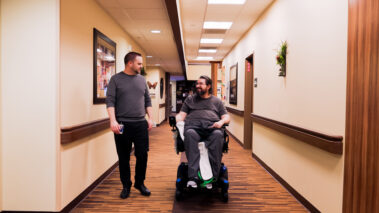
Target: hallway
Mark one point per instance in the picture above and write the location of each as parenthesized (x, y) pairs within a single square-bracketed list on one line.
[(252, 189)]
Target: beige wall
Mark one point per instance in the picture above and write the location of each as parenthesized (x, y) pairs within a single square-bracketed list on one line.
[(1, 126), (194, 71), (236, 126), (173, 95), (311, 96), (85, 160), (154, 74), (29, 99), (162, 111), (78, 18)]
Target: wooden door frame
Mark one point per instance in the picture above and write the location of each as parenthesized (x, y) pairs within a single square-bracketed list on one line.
[(248, 103), (168, 95), (214, 69), (361, 168)]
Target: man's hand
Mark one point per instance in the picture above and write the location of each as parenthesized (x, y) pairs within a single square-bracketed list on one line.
[(150, 124), (115, 127), (218, 124)]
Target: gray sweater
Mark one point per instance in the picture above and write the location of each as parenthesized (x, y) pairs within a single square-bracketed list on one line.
[(129, 95)]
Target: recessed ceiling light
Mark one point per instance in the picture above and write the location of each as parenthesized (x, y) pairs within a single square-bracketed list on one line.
[(207, 50), (217, 25), (149, 56), (211, 40), (226, 1), (157, 64), (204, 58), (155, 31)]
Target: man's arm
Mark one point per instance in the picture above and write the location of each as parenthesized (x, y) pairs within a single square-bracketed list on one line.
[(115, 127), (181, 116), (225, 119), (149, 111)]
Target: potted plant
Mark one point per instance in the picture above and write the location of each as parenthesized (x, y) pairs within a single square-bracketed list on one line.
[(143, 72), (281, 58)]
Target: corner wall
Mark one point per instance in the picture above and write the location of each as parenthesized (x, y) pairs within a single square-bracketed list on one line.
[(194, 71), (312, 95), (1, 126), (154, 74), (85, 160), (29, 104), (173, 96)]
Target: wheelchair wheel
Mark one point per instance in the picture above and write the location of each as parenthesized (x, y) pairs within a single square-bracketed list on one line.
[(181, 176), (178, 195), (224, 172), (225, 197)]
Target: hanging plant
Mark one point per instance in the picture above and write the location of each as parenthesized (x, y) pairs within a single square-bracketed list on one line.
[(143, 72), (281, 58)]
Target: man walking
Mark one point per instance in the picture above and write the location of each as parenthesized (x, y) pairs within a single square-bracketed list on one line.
[(127, 102)]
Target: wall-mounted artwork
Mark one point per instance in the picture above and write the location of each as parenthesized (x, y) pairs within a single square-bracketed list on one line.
[(104, 65), (152, 85), (233, 82)]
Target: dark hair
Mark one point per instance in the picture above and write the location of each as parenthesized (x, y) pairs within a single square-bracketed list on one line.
[(130, 57), (208, 81)]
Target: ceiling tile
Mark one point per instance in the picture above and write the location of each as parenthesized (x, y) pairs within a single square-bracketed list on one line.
[(222, 12), (147, 14), (141, 4), (109, 3)]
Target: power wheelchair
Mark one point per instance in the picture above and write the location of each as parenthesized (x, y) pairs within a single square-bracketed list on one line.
[(219, 184)]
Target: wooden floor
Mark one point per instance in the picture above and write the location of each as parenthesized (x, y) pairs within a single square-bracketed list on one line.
[(252, 189)]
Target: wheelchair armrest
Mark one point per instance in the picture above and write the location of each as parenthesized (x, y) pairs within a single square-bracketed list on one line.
[(172, 121), (225, 145), (179, 144)]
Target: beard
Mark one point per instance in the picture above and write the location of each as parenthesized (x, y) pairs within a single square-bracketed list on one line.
[(137, 71), (200, 92)]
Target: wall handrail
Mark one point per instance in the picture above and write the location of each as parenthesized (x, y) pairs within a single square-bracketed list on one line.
[(76, 132), (329, 143), (235, 111)]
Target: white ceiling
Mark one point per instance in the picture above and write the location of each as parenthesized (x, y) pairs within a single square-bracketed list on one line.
[(138, 17), (195, 12)]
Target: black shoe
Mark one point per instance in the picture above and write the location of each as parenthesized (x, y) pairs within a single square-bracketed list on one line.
[(142, 188), (125, 193)]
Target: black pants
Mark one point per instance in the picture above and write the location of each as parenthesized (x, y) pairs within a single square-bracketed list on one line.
[(137, 133)]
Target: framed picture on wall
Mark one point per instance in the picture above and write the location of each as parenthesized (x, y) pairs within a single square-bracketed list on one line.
[(104, 65), (233, 82)]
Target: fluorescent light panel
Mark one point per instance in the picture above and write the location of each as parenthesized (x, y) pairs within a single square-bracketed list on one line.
[(211, 40), (217, 25), (207, 50), (204, 58), (155, 31), (226, 1)]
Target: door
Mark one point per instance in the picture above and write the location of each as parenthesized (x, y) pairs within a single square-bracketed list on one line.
[(248, 108)]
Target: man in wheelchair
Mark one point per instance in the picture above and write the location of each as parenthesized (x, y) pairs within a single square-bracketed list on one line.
[(204, 116)]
